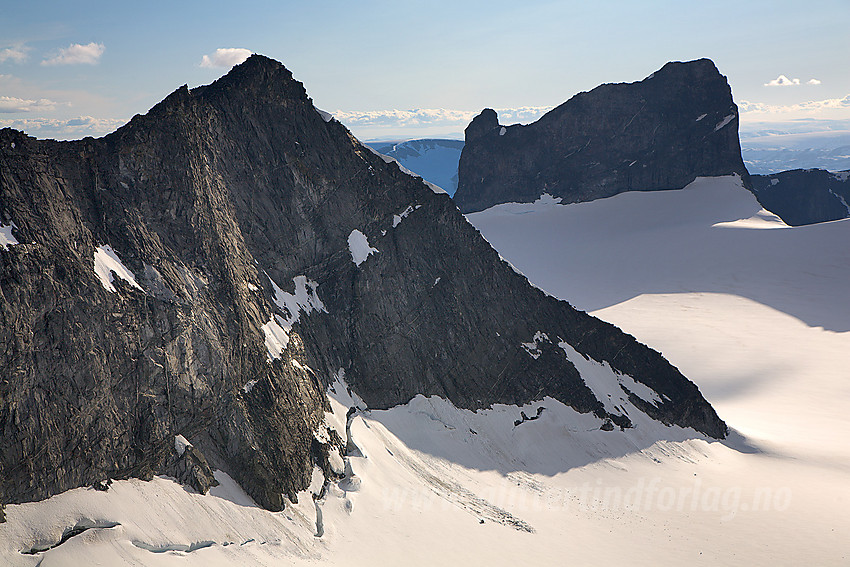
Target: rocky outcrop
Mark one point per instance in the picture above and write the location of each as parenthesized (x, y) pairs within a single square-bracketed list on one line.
[(804, 196), (190, 467), (660, 133), (208, 268)]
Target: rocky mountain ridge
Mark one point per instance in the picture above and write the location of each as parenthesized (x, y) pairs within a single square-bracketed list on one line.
[(208, 269), (804, 196)]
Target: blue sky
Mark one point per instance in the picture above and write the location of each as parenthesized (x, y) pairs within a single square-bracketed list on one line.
[(416, 68)]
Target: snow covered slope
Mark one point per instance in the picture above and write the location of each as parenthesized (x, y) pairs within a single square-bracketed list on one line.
[(749, 309), (708, 237), (703, 271), (434, 160)]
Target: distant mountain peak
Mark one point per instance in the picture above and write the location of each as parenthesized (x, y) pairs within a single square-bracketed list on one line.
[(483, 124), (659, 133)]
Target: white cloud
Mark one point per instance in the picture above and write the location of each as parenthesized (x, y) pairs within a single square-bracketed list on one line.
[(831, 108), (64, 129), (782, 81), (18, 54), (746, 106), (10, 104), (76, 54), (226, 57), (813, 82)]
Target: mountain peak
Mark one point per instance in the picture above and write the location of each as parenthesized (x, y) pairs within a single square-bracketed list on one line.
[(678, 124), (483, 124), (703, 65), (699, 74), (255, 74)]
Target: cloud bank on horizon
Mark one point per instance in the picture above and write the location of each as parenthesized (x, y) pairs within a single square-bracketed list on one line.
[(431, 122), (64, 129), (831, 108), (428, 121), (408, 124)]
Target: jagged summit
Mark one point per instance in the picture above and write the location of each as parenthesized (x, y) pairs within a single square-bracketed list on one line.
[(256, 72), (483, 124), (209, 268), (257, 78), (697, 70), (659, 133)]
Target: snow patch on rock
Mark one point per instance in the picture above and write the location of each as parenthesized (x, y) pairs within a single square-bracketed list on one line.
[(533, 348), (359, 247), (107, 263), (181, 444), (609, 386), (6, 238), (304, 300), (326, 116), (277, 338), (726, 120), (403, 215), (842, 199)]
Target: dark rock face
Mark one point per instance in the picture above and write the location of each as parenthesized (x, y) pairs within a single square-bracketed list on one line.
[(235, 206), (804, 196), (659, 133)]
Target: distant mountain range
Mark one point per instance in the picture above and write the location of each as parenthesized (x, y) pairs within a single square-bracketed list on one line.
[(660, 133), (798, 171), (764, 152), (435, 160), (772, 148), (765, 148)]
